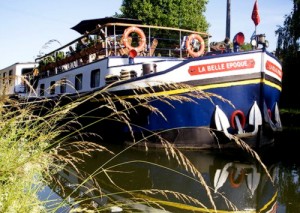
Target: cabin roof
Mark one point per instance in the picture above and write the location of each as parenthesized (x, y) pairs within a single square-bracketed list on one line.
[(18, 63), (90, 24)]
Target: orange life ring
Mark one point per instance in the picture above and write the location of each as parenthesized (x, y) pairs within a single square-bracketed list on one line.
[(141, 34), (241, 116), (236, 182), (188, 45)]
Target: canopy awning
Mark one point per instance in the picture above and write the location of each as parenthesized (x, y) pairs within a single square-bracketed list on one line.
[(90, 24)]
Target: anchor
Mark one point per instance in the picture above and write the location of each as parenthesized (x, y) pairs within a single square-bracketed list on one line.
[(221, 176), (276, 125), (253, 179), (255, 118), (250, 171), (222, 122), (277, 118)]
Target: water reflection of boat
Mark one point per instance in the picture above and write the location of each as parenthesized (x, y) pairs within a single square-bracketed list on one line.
[(87, 194), (246, 184), (235, 185)]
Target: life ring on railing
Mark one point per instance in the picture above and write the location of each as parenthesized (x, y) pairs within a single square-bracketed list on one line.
[(141, 34), (189, 48), (240, 115), (236, 182)]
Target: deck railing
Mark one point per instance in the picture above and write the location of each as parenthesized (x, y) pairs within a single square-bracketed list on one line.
[(107, 40)]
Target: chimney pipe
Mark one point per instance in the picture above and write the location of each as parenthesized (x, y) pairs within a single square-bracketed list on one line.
[(228, 20)]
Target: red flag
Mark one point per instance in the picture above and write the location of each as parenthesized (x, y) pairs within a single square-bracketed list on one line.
[(255, 16)]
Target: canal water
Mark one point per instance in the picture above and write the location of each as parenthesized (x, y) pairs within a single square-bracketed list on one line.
[(157, 180)]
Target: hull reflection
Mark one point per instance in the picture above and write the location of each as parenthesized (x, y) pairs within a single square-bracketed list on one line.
[(235, 182)]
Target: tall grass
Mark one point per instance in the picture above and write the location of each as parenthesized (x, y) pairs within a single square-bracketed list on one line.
[(29, 147), (24, 138), (35, 146)]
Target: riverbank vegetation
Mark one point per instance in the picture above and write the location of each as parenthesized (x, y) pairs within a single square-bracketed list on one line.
[(288, 51), (29, 154)]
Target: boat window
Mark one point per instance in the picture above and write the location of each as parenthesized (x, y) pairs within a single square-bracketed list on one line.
[(26, 71), (10, 76), (52, 87), (42, 89), (78, 82), (95, 78), (63, 85), (4, 76)]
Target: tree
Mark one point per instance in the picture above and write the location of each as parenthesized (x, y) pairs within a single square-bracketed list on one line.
[(288, 35), (186, 14), (246, 46), (288, 51)]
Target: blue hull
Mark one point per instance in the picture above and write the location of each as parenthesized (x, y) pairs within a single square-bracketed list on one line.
[(200, 114), (190, 124)]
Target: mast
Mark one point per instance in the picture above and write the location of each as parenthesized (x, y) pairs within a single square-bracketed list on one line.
[(228, 20)]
